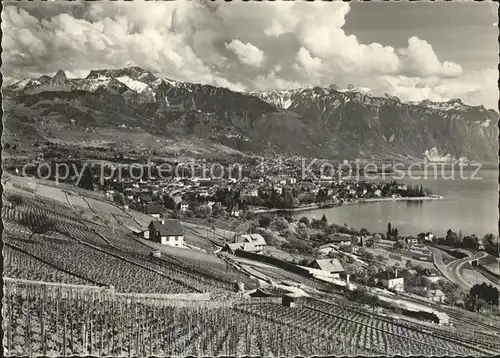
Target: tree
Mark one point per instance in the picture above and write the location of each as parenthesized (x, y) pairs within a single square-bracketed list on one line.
[(323, 218), (364, 232), (37, 225), (389, 229), (264, 221), (86, 180), (398, 245), (169, 202), (119, 198), (408, 264), (304, 220), (488, 293)]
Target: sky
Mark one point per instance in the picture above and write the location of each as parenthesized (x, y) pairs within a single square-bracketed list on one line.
[(415, 51)]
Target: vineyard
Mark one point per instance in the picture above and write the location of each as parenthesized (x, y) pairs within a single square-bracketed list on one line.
[(98, 291), (106, 256), (58, 320)]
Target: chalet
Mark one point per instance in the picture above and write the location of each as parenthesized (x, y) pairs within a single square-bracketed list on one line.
[(154, 210), (391, 281), (243, 246), (256, 239), (167, 232), (332, 266)]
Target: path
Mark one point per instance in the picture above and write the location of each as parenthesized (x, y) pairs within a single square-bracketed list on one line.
[(452, 271)]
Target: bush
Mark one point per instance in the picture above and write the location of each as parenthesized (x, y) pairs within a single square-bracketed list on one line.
[(280, 224), (298, 246)]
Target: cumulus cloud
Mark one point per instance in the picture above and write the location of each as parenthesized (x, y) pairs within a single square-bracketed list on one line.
[(242, 46), (420, 59), (247, 53)]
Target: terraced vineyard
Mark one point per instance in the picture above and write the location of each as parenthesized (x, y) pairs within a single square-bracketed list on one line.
[(412, 334), (111, 256), (45, 320), (20, 264)]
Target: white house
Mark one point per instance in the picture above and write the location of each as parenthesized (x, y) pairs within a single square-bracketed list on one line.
[(256, 239), (332, 266), (391, 281), (167, 232)]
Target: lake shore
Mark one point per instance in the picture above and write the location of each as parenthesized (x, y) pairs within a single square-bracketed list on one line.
[(354, 202)]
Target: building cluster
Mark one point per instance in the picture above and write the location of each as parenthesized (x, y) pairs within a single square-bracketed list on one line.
[(280, 191)]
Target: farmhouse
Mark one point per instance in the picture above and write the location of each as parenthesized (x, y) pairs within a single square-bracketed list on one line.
[(391, 281), (167, 232), (256, 239), (332, 266)]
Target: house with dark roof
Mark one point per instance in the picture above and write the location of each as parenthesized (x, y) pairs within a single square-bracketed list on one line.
[(154, 210), (166, 232)]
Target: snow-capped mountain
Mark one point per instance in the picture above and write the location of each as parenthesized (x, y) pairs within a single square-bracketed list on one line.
[(316, 121)]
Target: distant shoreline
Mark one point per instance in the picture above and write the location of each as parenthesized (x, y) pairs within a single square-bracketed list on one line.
[(354, 202)]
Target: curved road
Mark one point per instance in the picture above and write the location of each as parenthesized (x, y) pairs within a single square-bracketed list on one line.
[(452, 270)]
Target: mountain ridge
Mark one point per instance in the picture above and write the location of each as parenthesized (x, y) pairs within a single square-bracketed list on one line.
[(313, 121)]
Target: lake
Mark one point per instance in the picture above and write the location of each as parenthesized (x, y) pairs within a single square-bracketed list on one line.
[(468, 205)]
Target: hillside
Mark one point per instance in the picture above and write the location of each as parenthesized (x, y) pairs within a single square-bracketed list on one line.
[(316, 122)]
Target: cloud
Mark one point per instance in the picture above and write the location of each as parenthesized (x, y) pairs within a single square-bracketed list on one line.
[(247, 53), (242, 46), (474, 88), (419, 59)]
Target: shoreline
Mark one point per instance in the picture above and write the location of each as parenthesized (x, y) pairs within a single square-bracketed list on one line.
[(354, 202)]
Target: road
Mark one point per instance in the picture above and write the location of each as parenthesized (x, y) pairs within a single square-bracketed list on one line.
[(452, 270)]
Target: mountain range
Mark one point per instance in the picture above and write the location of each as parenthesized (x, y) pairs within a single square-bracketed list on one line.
[(131, 106)]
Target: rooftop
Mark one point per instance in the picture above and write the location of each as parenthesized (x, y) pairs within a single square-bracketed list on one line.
[(330, 265), (169, 227)]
